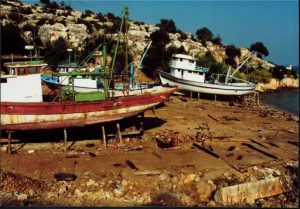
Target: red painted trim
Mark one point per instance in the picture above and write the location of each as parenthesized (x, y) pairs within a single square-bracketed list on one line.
[(67, 123), (44, 108)]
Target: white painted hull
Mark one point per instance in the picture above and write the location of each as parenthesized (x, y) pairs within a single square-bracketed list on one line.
[(232, 89)]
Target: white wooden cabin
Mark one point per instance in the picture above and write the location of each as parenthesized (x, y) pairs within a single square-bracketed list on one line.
[(184, 67), (23, 83)]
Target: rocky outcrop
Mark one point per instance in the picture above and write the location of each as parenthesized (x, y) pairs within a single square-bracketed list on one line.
[(51, 25), (276, 84)]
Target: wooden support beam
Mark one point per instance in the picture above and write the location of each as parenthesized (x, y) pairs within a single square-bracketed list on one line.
[(104, 136), (215, 97), (9, 142), (141, 122), (119, 133), (65, 138), (198, 95), (153, 110), (191, 95)]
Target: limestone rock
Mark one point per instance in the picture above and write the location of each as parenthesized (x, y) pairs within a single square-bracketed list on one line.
[(204, 191), (164, 177), (189, 178), (247, 193), (52, 32), (22, 197)]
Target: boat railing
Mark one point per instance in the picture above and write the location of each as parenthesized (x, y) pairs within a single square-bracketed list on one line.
[(202, 69), (221, 78)]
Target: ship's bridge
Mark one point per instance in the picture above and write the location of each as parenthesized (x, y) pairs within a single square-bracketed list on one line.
[(182, 61)]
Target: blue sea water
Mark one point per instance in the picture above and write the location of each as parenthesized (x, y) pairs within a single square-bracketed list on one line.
[(286, 100)]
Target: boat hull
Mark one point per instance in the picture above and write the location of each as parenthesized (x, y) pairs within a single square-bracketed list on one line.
[(233, 89), (49, 115)]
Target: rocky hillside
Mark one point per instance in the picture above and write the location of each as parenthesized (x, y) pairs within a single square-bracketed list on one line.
[(77, 27)]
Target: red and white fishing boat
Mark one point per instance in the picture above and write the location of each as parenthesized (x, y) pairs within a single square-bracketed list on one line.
[(23, 106), (48, 115)]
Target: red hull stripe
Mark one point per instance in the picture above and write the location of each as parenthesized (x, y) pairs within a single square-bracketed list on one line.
[(44, 108)]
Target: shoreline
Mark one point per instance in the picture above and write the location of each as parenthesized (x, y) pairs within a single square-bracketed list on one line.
[(264, 100), (184, 173)]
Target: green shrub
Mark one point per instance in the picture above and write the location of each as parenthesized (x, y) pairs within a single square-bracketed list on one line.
[(15, 16), (28, 27), (26, 10), (260, 75)]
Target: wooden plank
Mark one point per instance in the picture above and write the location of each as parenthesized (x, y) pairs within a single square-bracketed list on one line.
[(206, 150), (247, 193), (260, 151), (215, 119)]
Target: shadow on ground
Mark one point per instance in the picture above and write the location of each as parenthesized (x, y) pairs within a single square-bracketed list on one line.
[(129, 128)]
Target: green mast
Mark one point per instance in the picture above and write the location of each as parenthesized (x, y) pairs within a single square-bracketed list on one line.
[(124, 19)]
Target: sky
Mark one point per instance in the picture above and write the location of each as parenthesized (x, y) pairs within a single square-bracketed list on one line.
[(240, 22)]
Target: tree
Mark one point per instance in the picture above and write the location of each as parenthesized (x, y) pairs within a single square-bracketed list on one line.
[(217, 40), (160, 37), (45, 2), (174, 50), (260, 48), (157, 56), (209, 61), (167, 25), (232, 52), (204, 34), (11, 40), (56, 52)]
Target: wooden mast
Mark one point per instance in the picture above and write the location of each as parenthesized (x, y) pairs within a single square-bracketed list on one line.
[(126, 50)]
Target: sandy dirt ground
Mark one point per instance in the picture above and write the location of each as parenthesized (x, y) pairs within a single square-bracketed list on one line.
[(190, 148)]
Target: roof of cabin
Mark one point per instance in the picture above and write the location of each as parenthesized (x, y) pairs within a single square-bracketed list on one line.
[(183, 56)]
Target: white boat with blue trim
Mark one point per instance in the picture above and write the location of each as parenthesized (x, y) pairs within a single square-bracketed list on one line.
[(187, 76)]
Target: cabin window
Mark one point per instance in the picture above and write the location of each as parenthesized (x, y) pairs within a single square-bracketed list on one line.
[(3, 80), (174, 58), (190, 71), (12, 72), (191, 61), (33, 71), (181, 59), (21, 72), (178, 70), (200, 73)]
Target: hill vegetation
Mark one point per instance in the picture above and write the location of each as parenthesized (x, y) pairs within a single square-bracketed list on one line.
[(54, 27)]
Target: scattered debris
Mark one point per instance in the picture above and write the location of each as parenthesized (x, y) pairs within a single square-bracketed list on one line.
[(118, 164), (229, 155), (90, 145), (227, 118), (206, 150), (215, 119), (258, 150), (156, 155), (294, 143), (272, 144), (239, 157), (30, 151), (260, 144), (131, 165), (92, 154), (147, 173), (72, 156), (231, 148), (65, 176), (138, 148)]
